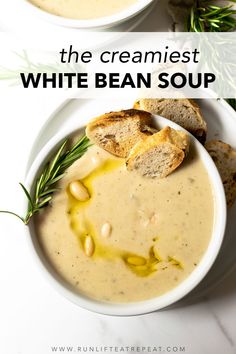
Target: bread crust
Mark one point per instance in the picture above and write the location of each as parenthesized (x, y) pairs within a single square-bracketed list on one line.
[(168, 139), (224, 157), (118, 132), (157, 106)]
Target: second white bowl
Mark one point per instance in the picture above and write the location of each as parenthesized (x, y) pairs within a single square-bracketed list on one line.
[(91, 24)]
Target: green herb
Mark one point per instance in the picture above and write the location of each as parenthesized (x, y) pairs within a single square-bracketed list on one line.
[(205, 17), (28, 66), (51, 174), (232, 102)]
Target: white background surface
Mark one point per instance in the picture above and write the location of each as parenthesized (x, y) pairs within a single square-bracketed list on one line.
[(33, 317)]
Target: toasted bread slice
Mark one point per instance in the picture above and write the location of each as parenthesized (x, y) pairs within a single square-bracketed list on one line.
[(159, 154), (118, 132), (182, 111), (224, 157)]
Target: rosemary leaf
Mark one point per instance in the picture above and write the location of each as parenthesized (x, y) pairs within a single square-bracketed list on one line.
[(31, 203), (53, 172), (55, 180), (205, 17)]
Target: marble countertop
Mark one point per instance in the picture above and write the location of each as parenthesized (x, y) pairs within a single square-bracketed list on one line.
[(34, 319)]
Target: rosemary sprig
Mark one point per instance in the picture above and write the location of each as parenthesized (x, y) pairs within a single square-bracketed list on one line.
[(28, 66), (53, 171), (205, 17)]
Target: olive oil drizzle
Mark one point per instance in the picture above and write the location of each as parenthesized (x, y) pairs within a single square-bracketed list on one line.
[(83, 228)]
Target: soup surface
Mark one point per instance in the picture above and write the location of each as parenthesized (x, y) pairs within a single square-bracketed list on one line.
[(83, 9), (159, 228)]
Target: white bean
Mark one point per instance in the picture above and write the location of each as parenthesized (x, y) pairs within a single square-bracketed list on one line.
[(106, 230), (154, 218), (79, 191), (89, 246)]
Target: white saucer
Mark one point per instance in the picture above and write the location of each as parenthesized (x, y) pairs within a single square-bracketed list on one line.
[(221, 119)]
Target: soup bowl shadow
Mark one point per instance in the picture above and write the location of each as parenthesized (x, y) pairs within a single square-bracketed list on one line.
[(150, 305)]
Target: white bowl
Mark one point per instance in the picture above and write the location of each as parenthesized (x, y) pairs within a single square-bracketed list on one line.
[(135, 308), (98, 23)]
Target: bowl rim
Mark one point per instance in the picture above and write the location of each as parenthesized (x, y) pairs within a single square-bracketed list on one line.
[(105, 21), (156, 303)]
